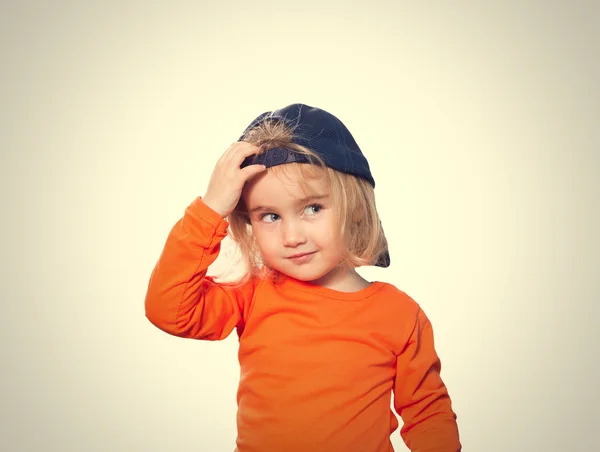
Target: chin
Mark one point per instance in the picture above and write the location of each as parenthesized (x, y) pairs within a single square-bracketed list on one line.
[(305, 274)]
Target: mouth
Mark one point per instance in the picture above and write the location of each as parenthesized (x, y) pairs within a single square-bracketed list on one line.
[(301, 256)]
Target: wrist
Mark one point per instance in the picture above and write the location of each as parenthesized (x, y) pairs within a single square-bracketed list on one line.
[(214, 206)]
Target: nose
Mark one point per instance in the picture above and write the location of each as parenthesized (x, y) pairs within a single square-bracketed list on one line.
[(292, 234)]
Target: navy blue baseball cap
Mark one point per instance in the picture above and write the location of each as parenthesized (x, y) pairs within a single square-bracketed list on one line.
[(322, 133), (319, 131)]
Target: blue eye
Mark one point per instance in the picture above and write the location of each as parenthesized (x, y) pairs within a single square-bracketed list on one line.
[(269, 217), (313, 209)]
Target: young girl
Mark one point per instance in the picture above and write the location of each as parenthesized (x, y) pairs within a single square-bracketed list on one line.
[(321, 349)]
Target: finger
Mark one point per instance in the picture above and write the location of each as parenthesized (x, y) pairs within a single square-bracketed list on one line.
[(225, 156), (231, 150), (252, 170), (240, 153), (236, 153)]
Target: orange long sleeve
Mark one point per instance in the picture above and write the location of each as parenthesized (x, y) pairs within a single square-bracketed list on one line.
[(420, 396), (318, 366), (181, 300)]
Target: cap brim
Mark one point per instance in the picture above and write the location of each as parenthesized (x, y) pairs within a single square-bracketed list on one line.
[(384, 259)]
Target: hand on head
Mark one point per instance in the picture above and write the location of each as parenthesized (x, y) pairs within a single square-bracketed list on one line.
[(228, 179)]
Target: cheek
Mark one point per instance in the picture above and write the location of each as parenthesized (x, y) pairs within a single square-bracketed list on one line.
[(265, 239), (327, 231)]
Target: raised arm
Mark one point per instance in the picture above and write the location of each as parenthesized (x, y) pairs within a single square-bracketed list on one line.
[(181, 300)]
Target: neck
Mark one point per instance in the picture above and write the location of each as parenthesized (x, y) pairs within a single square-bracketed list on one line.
[(342, 279)]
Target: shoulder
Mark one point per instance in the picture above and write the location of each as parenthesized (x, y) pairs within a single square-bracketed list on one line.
[(399, 315), (398, 298)]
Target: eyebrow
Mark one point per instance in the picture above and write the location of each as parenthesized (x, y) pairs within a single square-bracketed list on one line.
[(299, 201)]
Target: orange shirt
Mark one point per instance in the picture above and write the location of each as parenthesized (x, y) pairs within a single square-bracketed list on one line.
[(318, 366)]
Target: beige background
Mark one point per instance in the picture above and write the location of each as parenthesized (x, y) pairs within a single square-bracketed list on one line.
[(480, 120)]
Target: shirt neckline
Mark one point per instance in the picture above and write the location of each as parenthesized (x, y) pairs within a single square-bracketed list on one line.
[(304, 286)]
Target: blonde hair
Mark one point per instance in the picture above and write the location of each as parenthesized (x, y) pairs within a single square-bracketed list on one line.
[(352, 196)]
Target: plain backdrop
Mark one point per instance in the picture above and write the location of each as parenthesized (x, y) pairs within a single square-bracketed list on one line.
[(480, 121)]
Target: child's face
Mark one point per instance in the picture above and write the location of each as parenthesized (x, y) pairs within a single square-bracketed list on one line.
[(296, 231)]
